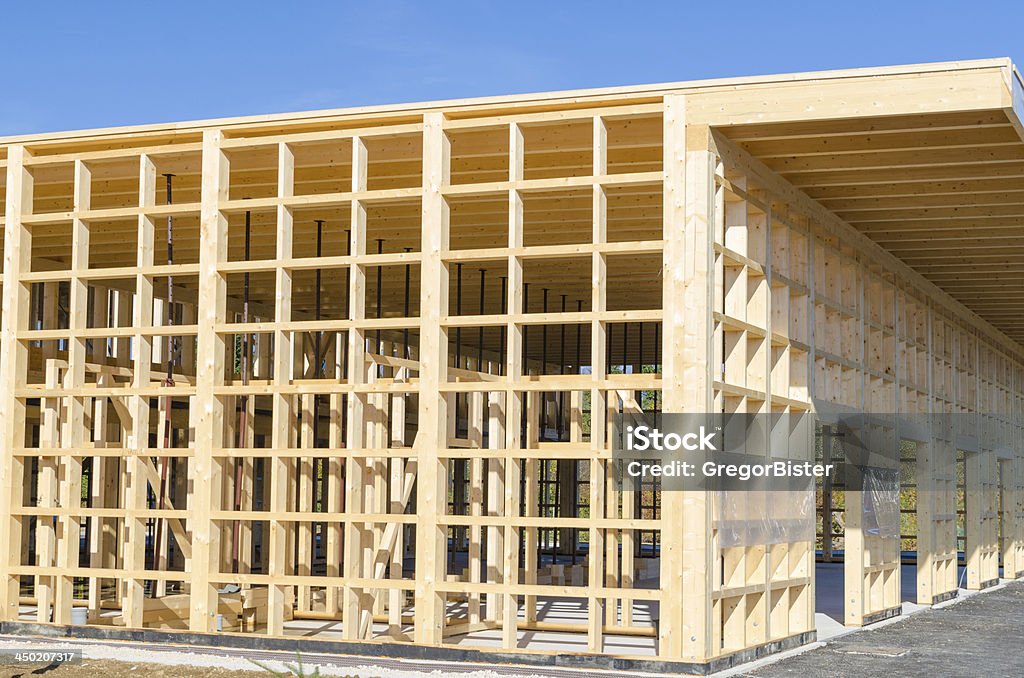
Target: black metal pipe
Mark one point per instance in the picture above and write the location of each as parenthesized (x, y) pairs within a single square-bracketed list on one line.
[(458, 311), (576, 464), (244, 404), (317, 296), (579, 338), (405, 332), (501, 330), (544, 336), (380, 309), (657, 360), (526, 328), (348, 292), (559, 420), (480, 347), (625, 346), (170, 282), (167, 403)]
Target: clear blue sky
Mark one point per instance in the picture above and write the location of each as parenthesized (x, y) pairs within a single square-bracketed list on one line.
[(98, 64)]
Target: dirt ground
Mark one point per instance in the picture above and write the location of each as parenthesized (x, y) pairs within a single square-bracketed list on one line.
[(114, 669)]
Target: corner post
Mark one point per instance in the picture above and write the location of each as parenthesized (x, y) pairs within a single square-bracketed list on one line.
[(13, 370), (686, 629)]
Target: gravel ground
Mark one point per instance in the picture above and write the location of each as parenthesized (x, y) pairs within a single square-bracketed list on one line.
[(108, 668), (980, 636), (123, 661)]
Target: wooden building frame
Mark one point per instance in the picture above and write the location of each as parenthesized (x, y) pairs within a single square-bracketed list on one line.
[(359, 366)]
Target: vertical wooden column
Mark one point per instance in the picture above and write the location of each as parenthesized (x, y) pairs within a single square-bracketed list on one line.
[(686, 560), (99, 481), (476, 495), (598, 395), (431, 535), (13, 371), (69, 524), (531, 500), (355, 471), (1013, 563), (46, 533), (138, 442), (210, 350), (307, 440), (927, 544), (46, 536), (397, 503), (513, 398), (282, 403), (334, 476), (495, 500)]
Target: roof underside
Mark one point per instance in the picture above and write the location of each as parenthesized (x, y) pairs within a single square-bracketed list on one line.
[(943, 192)]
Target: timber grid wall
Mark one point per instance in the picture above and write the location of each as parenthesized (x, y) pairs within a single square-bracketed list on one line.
[(376, 399)]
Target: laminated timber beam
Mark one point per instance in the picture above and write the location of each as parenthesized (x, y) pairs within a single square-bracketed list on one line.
[(854, 97)]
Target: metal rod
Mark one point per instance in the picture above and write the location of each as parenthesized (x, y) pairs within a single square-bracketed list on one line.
[(317, 348), (579, 335), (501, 330), (544, 337), (609, 333), (243, 415), (166, 400), (458, 311), (380, 281), (625, 346), (318, 335), (657, 360), (480, 348), (576, 464), (405, 309), (526, 328), (348, 291), (561, 370)]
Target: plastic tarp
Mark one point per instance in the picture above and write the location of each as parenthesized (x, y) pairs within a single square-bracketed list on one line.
[(757, 517)]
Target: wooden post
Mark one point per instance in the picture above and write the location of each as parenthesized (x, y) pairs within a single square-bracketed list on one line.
[(599, 458), (209, 375), (282, 403), (513, 399), (355, 472), (138, 442), (686, 560), (69, 525), (431, 532), (13, 368), (495, 500)]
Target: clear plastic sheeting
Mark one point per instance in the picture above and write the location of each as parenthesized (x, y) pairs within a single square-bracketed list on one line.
[(756, 517), (881, 502)]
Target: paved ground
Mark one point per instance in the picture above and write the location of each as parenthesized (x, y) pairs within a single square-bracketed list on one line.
[(980, 636)]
